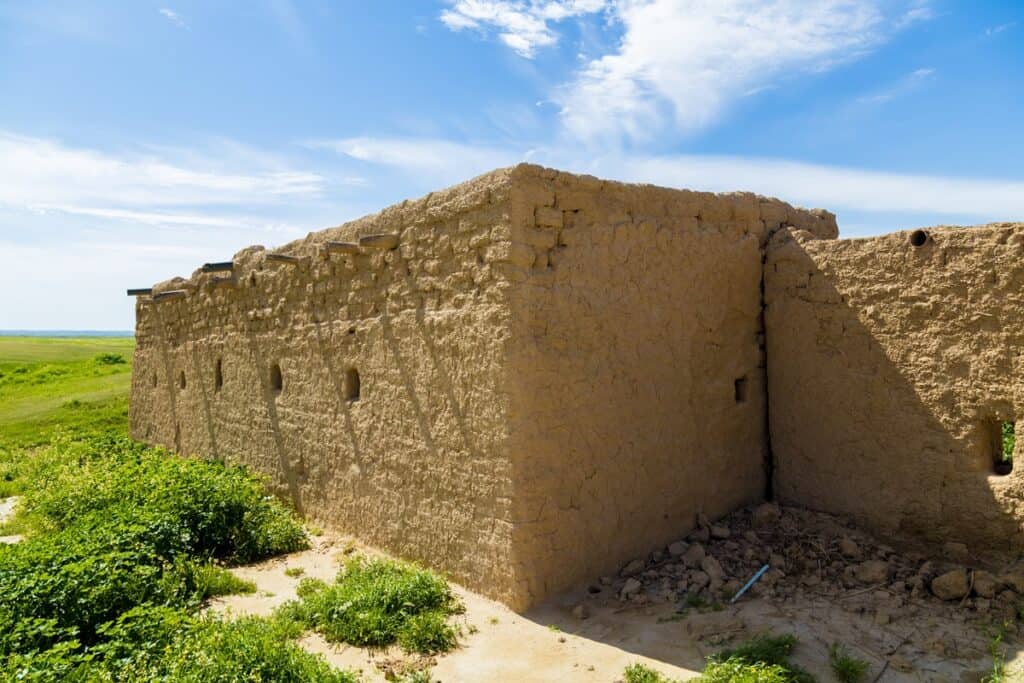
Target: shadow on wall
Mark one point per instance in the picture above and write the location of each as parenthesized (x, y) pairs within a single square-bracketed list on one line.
[(270, 386), (869, 421)]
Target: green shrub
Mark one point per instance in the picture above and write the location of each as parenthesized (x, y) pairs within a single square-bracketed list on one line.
[(762, 659), (250, 649), (735, 670), (151, 643), (638, 673), (379, 602), (222, 512), (427, 632), (116, 525), (110, 359)]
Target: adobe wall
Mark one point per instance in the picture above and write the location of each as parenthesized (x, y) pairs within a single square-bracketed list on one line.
[(556, 372), (636, 311), (417, 465), (890, 366)]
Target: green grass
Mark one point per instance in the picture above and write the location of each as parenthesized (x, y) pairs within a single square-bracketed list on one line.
[(845, 667), (375, 603), (51, 384)]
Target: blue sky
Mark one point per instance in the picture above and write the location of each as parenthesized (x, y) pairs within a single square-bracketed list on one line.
[(139, 140)]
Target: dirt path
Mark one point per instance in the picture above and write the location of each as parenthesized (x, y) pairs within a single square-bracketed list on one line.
[(6, 510), (552, 643)]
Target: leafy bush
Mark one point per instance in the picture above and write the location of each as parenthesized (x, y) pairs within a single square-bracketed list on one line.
[(219, 511), (151, 643), (116, 526), (638, 673), (110, 359), (427, 632), (762, 659), (735, 670), (379, 602)]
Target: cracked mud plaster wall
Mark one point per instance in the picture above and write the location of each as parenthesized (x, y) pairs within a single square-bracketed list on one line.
[(636, 310), (418, 465), (890, 367), (547, 370)]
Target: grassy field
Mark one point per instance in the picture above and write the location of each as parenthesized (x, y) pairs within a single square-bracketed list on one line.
[(75, 384)]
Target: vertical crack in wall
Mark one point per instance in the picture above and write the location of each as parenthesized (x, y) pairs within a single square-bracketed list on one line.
[(768, 455)]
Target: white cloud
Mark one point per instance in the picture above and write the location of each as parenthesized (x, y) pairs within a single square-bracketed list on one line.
[(830, 187), (40, 172), (173, 17), (996, 30), (836, 187), (523, 25), (905, 85), (684, 62), (680, 64), (444, 160)]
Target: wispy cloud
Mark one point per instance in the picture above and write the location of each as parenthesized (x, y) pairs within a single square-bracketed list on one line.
[(909, 83), (445, 160), (831, 187), (680, 64), (173, 17), (37, 171), (836, 187), (996, 30), (523, 25)]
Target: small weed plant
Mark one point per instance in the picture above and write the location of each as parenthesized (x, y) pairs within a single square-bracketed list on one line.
[(845, 667), (764, 659), (376, 603), (639, 673), (998, 674)]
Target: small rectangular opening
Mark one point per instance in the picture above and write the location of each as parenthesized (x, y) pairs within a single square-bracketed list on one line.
[(740, 390), (1003, 452), (351, 386)]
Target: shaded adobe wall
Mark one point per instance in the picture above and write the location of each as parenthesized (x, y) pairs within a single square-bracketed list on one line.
[(636, 311), (418, 465), (890, 367)]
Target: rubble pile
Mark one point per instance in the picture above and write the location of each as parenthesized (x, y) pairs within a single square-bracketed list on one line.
[(811, 555)]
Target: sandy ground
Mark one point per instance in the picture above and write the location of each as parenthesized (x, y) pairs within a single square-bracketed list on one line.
[(551, 644), (6, 510)]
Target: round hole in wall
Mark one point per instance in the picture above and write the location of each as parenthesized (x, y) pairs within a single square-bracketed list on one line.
[(918, 238), (181, 379), (276, 380), (218, 376)]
